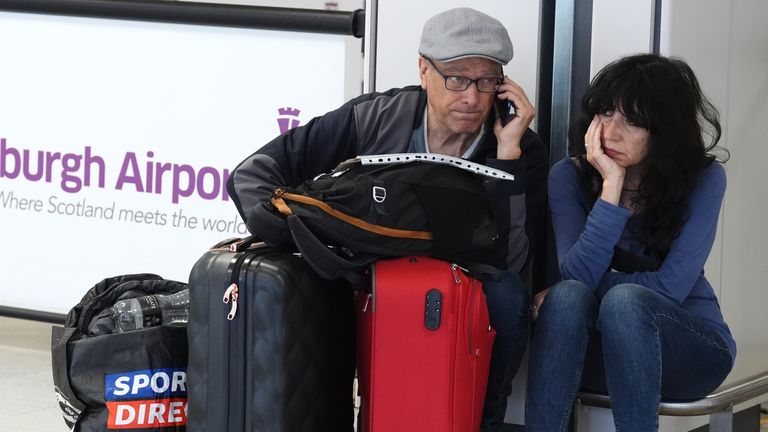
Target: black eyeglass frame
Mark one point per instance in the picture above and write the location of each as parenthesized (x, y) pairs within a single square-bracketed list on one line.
[(469, 81)]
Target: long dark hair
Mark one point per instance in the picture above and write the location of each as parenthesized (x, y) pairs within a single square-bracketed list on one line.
[(661, 95)]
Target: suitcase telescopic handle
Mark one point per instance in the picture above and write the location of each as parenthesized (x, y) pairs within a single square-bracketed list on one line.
[(236, 244), (243, 244)]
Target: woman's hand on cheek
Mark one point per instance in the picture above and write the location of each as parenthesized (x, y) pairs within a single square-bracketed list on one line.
[(611, 172)]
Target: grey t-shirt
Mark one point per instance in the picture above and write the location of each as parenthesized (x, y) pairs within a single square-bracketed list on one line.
[(419, 140)]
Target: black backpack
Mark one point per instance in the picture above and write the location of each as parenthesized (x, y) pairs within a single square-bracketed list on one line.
[(105, 380), (394, 205)]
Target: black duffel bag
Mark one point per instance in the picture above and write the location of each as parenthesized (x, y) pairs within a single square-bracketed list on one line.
[(135, 379), (394, 205)]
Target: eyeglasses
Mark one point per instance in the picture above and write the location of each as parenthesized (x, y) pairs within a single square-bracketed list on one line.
[(461, 83)]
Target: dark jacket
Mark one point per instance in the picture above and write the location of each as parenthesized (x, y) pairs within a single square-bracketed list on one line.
[(382, 123)]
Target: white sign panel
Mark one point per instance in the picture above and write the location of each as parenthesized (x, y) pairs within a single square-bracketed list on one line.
[(117, 138)]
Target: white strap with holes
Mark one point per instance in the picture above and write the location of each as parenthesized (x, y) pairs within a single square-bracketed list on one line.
[(436, 158)]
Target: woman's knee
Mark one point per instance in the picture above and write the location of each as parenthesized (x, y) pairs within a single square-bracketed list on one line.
[(625, 304), (570, 294), (569, 303), (568, 311)]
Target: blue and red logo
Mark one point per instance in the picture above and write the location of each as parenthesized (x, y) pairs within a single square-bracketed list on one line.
[(150, 398)]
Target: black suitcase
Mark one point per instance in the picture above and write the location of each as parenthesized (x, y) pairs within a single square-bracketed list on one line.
[(278, 356)]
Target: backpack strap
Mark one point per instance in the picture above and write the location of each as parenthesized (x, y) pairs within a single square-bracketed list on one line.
[(325, 263), (280, 196), (71, 407)]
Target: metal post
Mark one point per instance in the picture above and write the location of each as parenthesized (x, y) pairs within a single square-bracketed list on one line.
[(561, 79), (570, 69), (721, 421), (213, 14), (655, 47), (369, 45), (575, 415)]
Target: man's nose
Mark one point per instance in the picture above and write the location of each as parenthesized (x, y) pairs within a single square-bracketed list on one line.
[(471, 95)]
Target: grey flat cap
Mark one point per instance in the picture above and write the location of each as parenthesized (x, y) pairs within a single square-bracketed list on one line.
[(464, 32)]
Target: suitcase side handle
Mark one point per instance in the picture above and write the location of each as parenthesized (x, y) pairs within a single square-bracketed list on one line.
[(433, 309)]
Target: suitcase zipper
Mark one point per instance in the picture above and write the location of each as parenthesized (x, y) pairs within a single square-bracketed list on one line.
[(231, 293), (455, 273), (370, 298), (236, 334), (470, 306), (472, 351)]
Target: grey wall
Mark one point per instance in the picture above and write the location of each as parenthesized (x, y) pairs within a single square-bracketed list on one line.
[(726, 43), (353, 70)]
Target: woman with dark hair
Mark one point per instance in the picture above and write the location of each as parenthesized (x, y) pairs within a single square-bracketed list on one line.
[(635, 215)]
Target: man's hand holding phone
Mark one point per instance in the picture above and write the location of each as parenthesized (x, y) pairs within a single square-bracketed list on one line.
[(514, 113), (505, 110)]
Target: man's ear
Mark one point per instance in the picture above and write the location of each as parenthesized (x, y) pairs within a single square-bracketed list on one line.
[(423, 72)]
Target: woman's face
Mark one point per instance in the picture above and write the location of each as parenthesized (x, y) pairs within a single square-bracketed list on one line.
[(624, 142)]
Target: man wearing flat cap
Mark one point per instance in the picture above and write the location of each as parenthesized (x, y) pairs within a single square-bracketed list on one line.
[(461, 55)]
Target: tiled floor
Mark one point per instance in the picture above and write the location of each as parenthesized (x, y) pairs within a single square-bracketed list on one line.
[(27, 401)]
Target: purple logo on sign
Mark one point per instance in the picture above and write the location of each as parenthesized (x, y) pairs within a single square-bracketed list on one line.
[(288, 118)]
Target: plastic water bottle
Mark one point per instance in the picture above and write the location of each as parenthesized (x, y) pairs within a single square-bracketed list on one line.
[(151, 310)]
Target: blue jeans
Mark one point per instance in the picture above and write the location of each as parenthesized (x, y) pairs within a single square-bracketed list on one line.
[(634, 343), (508, 310)]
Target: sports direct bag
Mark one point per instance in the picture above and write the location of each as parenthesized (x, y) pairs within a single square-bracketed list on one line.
[(394, 205), (132, 380)]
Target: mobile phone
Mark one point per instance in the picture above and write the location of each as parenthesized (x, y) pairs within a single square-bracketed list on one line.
[(505, 110)]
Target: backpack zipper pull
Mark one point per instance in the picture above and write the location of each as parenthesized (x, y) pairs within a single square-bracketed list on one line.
[(232, 293)]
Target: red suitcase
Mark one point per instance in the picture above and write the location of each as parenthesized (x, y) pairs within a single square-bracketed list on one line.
[(424, 348)]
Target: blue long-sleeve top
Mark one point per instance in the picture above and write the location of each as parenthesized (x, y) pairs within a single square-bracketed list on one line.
[(587, 238)]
